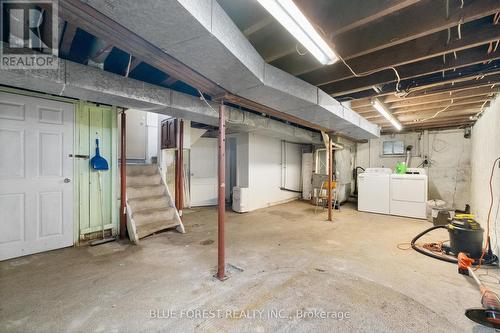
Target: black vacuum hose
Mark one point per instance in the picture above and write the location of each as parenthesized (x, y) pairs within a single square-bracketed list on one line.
[(487, 261)]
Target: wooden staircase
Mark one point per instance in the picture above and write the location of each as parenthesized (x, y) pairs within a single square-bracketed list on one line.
[(150, 207)]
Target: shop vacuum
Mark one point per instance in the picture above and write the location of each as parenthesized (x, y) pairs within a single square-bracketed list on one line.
[(466, 235), (466, 249)]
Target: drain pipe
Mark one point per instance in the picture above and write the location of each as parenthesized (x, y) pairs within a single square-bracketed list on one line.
[(123, 175), (221, 260)]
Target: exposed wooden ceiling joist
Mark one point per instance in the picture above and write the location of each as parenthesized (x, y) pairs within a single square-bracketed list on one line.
[(349, 15), (169, 81), (415, 50), (467, 101), (67, 39), (442, 115), (419, 99), (432, 115), (421, 19), (412, 70), (455, 84), (375, 117), (420, 127), (429, 103), (101, 53), (435, 121)]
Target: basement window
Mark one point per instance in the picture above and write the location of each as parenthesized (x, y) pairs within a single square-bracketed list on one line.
[(393, 148)]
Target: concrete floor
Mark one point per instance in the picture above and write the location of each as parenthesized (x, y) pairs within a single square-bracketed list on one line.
[(292, 261)]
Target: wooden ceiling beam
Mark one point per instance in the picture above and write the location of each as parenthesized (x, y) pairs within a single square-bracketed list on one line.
[(439, 105), (347, 15), (425, 102), (416, 116), (468, 82), (421, 127), (412, 51), (374, 116), (468, 92), (169, 81), (258, 26), (67, 39), (428, 115), (422, 19), (410, 71), (100, 55), (457, 119), (425, 106)]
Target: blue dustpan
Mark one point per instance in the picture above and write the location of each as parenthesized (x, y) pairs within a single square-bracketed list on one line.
[(98, 162)]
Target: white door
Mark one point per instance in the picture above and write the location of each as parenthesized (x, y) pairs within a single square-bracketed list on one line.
[(291, 166), (36, 172), (203, 158), (136, 134)]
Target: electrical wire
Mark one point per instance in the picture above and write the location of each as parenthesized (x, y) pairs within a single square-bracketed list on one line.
[(204, 100), (489, 210), (373, 71), (298, 51), (435, 114)]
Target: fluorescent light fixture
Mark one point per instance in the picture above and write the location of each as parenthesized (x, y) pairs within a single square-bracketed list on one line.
[(383, 110), (290, 17)]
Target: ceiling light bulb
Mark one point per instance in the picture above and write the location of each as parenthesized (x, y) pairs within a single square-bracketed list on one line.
[(384, 111), (292, 19)]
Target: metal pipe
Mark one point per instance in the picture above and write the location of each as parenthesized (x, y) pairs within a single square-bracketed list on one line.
[(176, 125), (123, 176), (221, 274), (330, 169), (181, 167)]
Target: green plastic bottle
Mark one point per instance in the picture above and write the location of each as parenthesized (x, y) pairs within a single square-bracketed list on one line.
[(400, 168)]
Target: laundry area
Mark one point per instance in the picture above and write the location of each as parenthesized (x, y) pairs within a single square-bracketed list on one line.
[(249, 166)]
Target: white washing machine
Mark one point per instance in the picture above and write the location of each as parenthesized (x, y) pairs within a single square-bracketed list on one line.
[(374, 190), (408, 195)]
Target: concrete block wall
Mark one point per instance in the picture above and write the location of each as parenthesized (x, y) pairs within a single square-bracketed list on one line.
[(485, 148), (450, 155)]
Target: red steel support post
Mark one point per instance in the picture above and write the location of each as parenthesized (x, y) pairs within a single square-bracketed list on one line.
[(177, 169), (123, 176), (181, 167), (330, 177), (221, 274)]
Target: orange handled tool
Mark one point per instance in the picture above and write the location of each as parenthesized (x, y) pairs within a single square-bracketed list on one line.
[(489, 315)]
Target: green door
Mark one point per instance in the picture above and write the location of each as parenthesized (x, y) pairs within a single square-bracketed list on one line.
[(96, 121)]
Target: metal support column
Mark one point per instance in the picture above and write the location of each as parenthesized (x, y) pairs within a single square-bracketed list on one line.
[(221, 274), (123, 176), (181, 167), (177, 169), (330, 177)]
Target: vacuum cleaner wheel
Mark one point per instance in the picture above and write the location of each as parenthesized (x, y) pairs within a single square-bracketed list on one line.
[(486, 317)]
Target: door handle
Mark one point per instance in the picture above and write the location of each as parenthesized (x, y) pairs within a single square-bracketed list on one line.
[(80, 156), (67, 180)]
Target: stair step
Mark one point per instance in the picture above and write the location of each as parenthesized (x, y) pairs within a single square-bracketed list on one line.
[(134, 192), (153, 215), (141, 169), (143, 180), (148, 202), (152, 227)]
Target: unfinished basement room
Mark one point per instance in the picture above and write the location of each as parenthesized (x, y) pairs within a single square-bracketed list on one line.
[(249, 166)]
